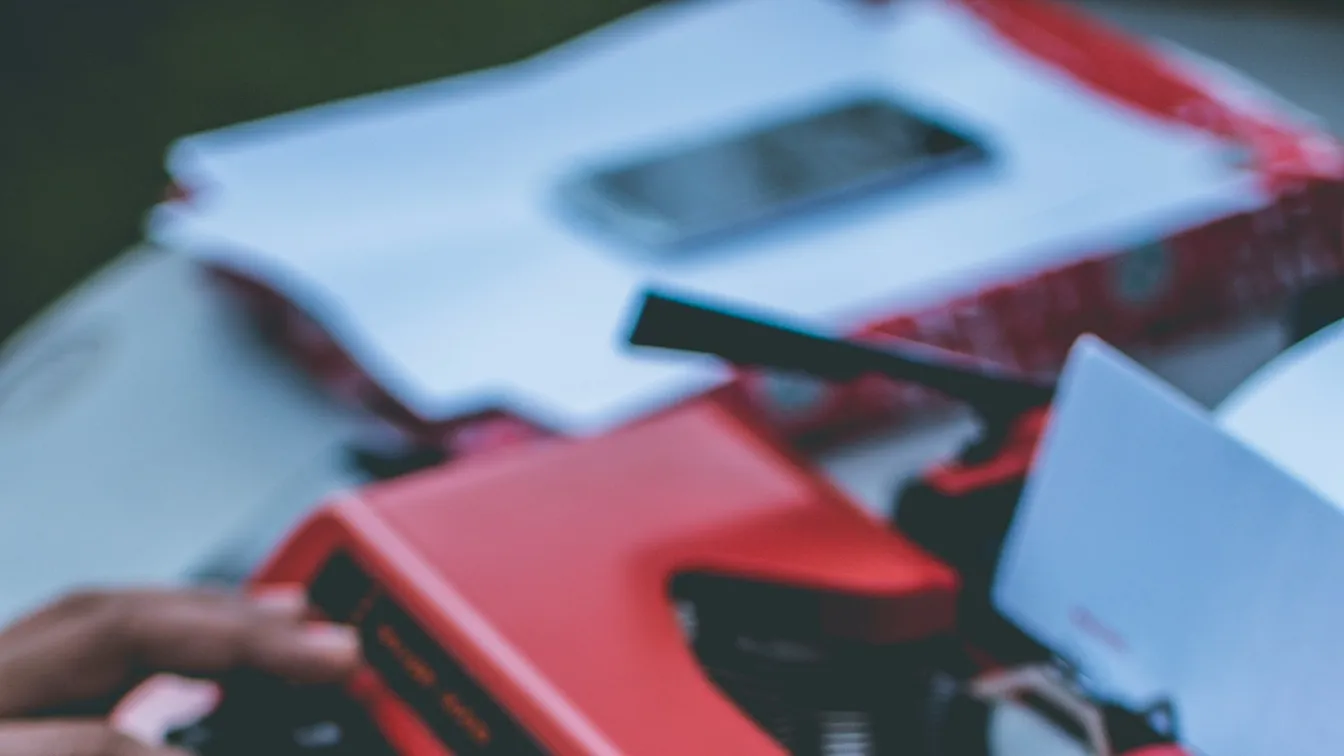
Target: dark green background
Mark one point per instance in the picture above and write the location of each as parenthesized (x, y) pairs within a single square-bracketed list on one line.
[(92, 91)]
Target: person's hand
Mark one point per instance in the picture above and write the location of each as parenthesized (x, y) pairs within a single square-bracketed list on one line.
[(63, 667)]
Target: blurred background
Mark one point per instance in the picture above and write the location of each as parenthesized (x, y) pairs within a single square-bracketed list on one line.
[(197, 449), (94, 90)]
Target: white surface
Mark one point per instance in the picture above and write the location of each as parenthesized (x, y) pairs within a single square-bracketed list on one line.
[(1165, 559), (128, 461), (421, 228), (1292, 412)]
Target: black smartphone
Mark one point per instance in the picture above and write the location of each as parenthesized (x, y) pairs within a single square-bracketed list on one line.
[(715, 186)]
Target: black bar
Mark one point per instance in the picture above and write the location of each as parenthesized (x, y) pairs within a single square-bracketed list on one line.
[(668, 322)]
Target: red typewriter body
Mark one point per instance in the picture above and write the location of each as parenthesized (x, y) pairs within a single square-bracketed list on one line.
[(545, 575), (526, 602), (534, 600)]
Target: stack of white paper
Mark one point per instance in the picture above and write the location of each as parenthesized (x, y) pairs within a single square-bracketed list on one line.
[(420, 227), (1167, 560)]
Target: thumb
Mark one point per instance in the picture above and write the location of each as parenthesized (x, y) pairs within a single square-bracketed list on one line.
[(72, 738)]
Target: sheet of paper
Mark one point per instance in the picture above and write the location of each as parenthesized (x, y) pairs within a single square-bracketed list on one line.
[(1292, 411), (422, 225), (1167, 560)]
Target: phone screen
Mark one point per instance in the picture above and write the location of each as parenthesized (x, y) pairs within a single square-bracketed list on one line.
[(719, 185)]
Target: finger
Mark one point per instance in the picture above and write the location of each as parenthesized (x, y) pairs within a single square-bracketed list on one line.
[(98, 644), (192, 634), (72, 738)]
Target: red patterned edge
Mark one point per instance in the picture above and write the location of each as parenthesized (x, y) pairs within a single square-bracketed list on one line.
[(1110, 63), (1197, 279)]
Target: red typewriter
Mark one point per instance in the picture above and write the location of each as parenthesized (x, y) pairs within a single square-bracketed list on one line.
[(684, 585)]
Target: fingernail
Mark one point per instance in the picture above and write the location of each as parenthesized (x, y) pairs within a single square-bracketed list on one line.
[(335, 641), (282, 600)]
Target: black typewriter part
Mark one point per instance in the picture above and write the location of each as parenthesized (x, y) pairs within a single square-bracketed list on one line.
[(264, 716), (967, 532), (1131, 730), (762, 646), (996, 393), (958, 723), (964, 530), (383, 464), (1315, 308), (989, 441), (1128, 730)]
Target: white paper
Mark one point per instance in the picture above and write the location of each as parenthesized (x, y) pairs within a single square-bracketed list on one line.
[(1292, 411), (140, 458), (1166, 559), (421, 227)]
